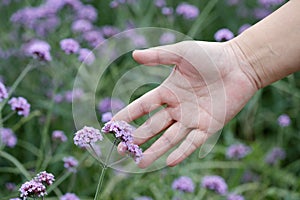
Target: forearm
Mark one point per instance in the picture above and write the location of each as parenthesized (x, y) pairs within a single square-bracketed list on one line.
[(271, 48)]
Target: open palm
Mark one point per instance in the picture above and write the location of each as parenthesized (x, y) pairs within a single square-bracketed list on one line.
[(208, 86)]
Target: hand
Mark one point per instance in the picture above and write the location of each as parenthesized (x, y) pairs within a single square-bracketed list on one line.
[(208, 86)]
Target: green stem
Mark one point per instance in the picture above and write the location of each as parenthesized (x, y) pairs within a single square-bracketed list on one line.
[(16, 163), (103, 170), (7, 117)]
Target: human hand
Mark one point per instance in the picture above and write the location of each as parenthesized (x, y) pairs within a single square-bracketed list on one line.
[(210, 83)]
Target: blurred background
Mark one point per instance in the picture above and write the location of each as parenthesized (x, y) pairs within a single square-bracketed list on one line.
[(69, 56)]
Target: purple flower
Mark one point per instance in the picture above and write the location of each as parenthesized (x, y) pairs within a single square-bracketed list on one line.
[(275, 155), (3, 92), (73, 95), (237, 151), (184, 184), (109, 31), (86, 56), (269, 3), (86, 136), (167, 38), (160, 3), (38, 49), (223, 34), (87, 12), (167, 11), (123, 131), (215, 183), (44, 177), (188, 11), (235, 197), (106, 117), (81, 26), (110, 105), (143, 198), (10, 186), (8, 138), (70, 163), (58, 135), (284, 120), (20, 105), (32, 189), (249, 176), (243, 28), (260, 13), (69, 196), (69, 46), (232, 2), (94, 38)]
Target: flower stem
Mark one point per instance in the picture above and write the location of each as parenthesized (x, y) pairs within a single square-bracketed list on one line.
[(103, 170)]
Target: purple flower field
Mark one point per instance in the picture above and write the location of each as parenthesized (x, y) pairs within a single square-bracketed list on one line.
[(66, 69)]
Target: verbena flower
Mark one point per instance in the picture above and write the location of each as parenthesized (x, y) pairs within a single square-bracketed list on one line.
[(108, 31), (269, 3), (69, 46), (260, 13), (184, 184), (59, 136), (275, 155), (20, 105), (215, 183), (167, 11), (249, 176), (234, 197), (73, 95), (8, 138), (45, 178), (10, 186), (167, 38), (69, 196), (284, 120), (3, 92), (86, 56), (243, 28), (188, 11), (38, 49), (237, 151), (160, 3), (86, 136), (223, 34), (93, 37), (70, 163), (81, 26), (87, 12), (123, 131), (110, 105), (143, 198), (106, 117), (32, 188)]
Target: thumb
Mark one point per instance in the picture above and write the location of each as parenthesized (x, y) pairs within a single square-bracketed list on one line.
[(165, 55)]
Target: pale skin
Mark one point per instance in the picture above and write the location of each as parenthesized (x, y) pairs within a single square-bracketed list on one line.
[(211, 82)]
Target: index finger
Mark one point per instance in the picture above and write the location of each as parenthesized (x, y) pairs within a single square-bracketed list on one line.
[(141, 106)]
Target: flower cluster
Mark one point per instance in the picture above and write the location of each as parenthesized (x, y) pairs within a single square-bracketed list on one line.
[(215, 183), (7, 137), (3, 92), (69, 45), (20, 105), (35, 188), (70, 163), (86, 136), (123, 131), (223, 34), (184, 184), (275, 155), (38, 49), (69, 196), (188, 11), (237, 151), (284, 120), (58, 135), (108, 106)]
